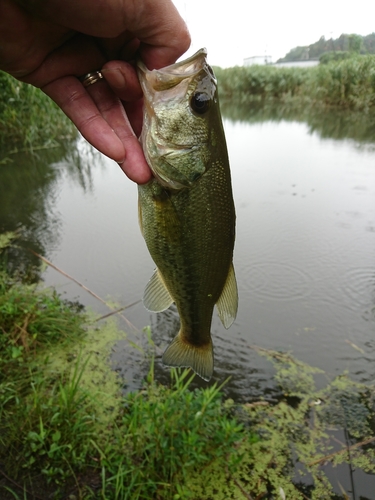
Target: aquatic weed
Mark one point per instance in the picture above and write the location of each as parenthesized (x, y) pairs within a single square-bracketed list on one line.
[(296, 438)]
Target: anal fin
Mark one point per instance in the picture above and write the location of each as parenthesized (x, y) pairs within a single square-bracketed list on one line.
[(227, 304)]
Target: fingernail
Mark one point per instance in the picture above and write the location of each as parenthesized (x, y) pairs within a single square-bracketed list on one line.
[(115, 77)]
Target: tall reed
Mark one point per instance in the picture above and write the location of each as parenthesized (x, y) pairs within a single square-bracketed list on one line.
[(29, 117), (349, 83)]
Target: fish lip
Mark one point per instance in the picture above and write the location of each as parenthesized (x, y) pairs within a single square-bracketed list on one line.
[(153, 81), (171, 75)]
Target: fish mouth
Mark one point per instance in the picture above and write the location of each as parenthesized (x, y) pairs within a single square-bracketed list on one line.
[(163, 88), (175, 78), (170, 76)]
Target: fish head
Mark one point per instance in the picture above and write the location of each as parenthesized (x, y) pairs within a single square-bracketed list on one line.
[(181, 119)]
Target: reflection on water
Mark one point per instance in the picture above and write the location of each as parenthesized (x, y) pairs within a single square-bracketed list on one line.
[(304, 256), (334, 124), (29, 188)]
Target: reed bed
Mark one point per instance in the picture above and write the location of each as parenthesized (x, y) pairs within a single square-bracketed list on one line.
[(29, 118), (349, 84)]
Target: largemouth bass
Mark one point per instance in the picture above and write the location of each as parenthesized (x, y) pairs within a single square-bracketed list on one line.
[(186, 211)]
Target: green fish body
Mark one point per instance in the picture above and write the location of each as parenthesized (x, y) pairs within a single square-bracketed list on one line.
[(186, 211)]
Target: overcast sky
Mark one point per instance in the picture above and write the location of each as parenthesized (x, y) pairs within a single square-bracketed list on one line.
[(232, 30)]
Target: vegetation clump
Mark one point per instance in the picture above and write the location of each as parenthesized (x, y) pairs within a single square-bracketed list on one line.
[(349, 83), (29, 118), (328, 57), (297, 438), (345, 43)]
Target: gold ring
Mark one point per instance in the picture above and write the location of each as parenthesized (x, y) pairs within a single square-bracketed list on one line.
[(91, 78)]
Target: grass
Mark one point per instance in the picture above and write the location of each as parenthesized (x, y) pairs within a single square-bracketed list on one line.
[(28, 118), (349, 84), (68, 431), (169, 432)]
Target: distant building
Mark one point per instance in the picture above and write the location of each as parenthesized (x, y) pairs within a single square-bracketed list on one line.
[(297, 64), (249, 61)]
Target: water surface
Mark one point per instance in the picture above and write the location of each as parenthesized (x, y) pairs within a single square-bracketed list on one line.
[(304, 255)]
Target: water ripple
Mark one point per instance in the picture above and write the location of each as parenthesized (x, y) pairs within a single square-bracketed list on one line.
[(359, 285), (276, 280)]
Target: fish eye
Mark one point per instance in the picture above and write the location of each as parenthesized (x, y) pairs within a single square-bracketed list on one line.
[(200, 102)]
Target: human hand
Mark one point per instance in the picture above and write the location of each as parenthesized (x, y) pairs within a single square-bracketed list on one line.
[(50, 44)]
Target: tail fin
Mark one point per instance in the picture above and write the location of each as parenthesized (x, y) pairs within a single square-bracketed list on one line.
[(199, 358)]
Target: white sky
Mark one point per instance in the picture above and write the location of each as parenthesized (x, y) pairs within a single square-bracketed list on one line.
[(232, 30)]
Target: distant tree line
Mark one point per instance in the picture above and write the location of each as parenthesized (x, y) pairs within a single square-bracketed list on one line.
[(345, 44)]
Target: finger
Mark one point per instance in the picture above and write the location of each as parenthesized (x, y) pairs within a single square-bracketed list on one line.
[(134, 112), (156, 23), (77, 104), (112, 110), (20, 48), (77, 56), (123, 46), (163, 33), (122, 78)]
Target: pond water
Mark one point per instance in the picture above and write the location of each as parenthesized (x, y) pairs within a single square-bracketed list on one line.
[(304, 189)]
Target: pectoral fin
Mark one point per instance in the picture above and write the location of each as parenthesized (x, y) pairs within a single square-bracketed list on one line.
[(156, 297), (227, 304)]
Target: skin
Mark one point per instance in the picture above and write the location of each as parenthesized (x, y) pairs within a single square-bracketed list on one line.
[(50, 44)]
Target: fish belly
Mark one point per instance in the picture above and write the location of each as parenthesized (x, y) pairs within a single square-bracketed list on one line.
[(190, 236)]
